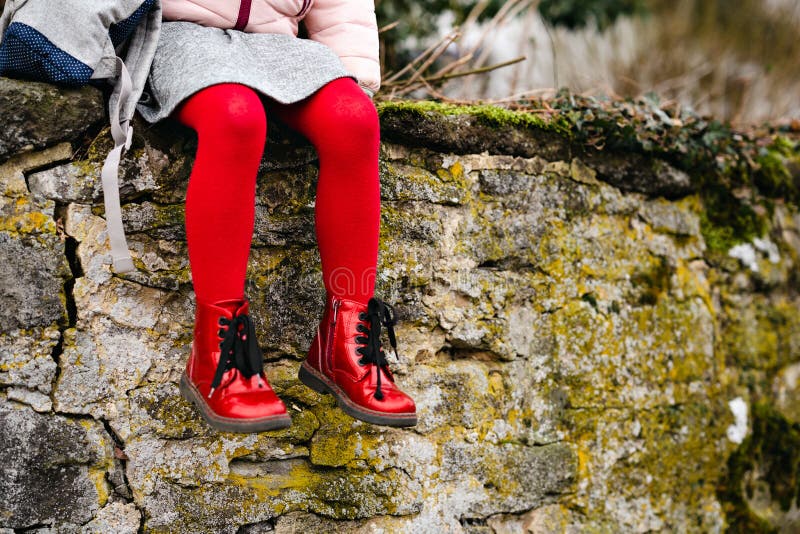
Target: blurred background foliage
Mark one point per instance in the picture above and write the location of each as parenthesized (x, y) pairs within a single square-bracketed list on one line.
[(418, 18), (422, 18), (579, 13), (738, 61)]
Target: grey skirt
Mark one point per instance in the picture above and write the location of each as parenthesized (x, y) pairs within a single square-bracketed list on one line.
[(190, 57)]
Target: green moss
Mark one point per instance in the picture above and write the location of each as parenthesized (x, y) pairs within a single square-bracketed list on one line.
[(100, 146), (591, 298), (336, 493), (727, 220), (85, 168), (652, 280), (338, 446), (177, 415), (769, 455), (773, 175), (665, 455), (494, 116), (762, 333)]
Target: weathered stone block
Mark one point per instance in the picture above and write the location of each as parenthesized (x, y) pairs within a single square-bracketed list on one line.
[(37, 115), (116, 517), (53, 468), (26, 358), (32, 274)]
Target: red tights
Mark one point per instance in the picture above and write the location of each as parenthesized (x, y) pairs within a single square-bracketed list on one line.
[(231, 124)]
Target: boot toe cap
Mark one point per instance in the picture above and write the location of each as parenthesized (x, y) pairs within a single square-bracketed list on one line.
[(250, 405), (393, 401)]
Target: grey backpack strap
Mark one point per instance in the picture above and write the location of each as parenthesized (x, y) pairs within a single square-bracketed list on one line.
[(121, 107), (142, 48), (122, 133)]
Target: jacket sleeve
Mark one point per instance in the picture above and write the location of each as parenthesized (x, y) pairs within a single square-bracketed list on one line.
[(349, 27)]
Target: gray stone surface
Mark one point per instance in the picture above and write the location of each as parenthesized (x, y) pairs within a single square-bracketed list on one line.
[(53, 468), (33, 265), (32, 275), (643, 174), (36, 115), (467, 134), (35, 399), (115, 517), (26, 358), (71, 182)]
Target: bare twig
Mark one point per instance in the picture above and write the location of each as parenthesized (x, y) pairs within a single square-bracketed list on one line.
[(403, 88), (388, 27), (444, 77), (435, 55), (509, 10), (476, 11), (553, 50), (416, 76), (493, 23), (421, 57), (479, 70), (514, 9)]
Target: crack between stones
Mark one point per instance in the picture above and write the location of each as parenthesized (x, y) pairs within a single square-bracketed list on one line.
[(548, 498), (269, 523), (32, 528), (43, 167), (76, 271), (621, 407), (119, 445), (69, 283)]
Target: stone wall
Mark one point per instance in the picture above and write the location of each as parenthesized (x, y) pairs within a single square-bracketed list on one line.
[(582, 358)]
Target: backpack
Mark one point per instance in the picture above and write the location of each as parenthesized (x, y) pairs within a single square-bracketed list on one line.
[(73, 43)]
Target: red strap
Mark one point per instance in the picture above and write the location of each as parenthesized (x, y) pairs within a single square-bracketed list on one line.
[(244, 15)]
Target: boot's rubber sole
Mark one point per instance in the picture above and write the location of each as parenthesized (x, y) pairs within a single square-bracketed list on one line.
[(229, 424), (321, 384)]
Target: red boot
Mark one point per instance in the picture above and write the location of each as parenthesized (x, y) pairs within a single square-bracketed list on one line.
[(231, 393), (346, 360)]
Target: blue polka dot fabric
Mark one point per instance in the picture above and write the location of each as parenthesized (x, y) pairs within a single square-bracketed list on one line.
[(26, 53), (121, 30)]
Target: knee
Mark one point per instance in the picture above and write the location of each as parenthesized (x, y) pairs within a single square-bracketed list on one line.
[(352, 114), (359, 122), (242, 117), (229, 111)]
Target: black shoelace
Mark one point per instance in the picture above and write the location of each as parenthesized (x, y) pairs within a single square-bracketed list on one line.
[(238, 349), (378, 313)]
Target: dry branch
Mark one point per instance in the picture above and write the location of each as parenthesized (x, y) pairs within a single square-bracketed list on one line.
[(425, 72)]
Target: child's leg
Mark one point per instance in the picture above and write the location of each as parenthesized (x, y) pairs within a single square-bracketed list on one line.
[(342, 123), (231, 126)]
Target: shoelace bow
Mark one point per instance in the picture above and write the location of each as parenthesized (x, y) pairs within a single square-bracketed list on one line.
[(378, 313), (239, 349)]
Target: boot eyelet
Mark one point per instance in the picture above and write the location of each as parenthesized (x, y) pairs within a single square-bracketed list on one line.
[(362, 316), (361, 328), (221, 332), (361, 362)]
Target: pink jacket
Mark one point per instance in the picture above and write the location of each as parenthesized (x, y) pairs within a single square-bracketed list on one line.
[(347, 26)]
